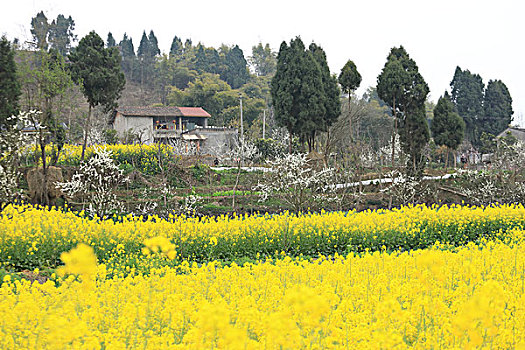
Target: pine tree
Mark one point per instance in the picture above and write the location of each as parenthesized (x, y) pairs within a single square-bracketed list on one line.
[(9, 85)]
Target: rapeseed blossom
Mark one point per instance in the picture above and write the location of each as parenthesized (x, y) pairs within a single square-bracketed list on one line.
[(469, 297)]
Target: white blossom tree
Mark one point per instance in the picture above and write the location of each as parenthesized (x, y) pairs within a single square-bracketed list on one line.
[(12, 142), (297, 182), (95, 184)]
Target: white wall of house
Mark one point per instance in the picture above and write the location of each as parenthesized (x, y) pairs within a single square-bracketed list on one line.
[(142, 126)]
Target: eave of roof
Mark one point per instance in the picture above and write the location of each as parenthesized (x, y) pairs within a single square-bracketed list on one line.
[(163, 111)]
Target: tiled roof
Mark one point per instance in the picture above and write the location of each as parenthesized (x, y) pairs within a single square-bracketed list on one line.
[(163, 112), (193, 112)]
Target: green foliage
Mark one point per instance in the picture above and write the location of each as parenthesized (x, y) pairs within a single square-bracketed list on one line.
[(97, 70), (349, 78), (236, 73), (9, 85), (110, 41), (497, 105), (403, 88), (467, 95), (110, 136), (269, 148), (297, 97), (256, 242), (61, 34), (448, 128), (40, 30), (487, 143), (57, 35), (176, 49), (330, 89), (263, 60), (199, 170)]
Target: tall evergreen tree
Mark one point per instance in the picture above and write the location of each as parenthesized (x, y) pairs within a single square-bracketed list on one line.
[(403, 88), (296, 96), (467, 95), (40, 30), (110, 42), (448, 128), (9, 85), (61, 34), (144, 47), (236, 73), (146, 53), (176, 49), (153, 44), (350, 79), (127, 51), (263, 60), (98, 71), (497, 104), (330, 89)]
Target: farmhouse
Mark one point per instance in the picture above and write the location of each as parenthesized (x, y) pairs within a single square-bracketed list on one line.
[(164, 124), (518, 133)]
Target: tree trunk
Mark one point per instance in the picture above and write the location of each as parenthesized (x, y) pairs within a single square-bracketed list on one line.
[(446, 159), (394, 130), (236, 184), (350, 117), (86, 131), (44, 199)]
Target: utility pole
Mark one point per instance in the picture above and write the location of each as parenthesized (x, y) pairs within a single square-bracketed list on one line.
[(242, 126)]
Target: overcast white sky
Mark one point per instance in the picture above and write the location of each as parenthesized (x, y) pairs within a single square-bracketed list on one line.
[(486, 37)]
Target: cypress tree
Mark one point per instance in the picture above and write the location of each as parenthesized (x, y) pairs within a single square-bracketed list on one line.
[(350, 79), (236, 73), (61, 34), (9, 85), (153, 45), (403, 88), (330, 89), (467, 95), (40, 30), (98, 71), (295, 91), (448, 128), (176, 49), (497, 105), (110, 42)]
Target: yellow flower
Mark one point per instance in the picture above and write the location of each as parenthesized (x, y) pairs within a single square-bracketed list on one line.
[(80, 260)]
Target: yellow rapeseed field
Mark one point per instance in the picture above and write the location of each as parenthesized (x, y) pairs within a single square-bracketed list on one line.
[(469, 298), (154, 284)]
